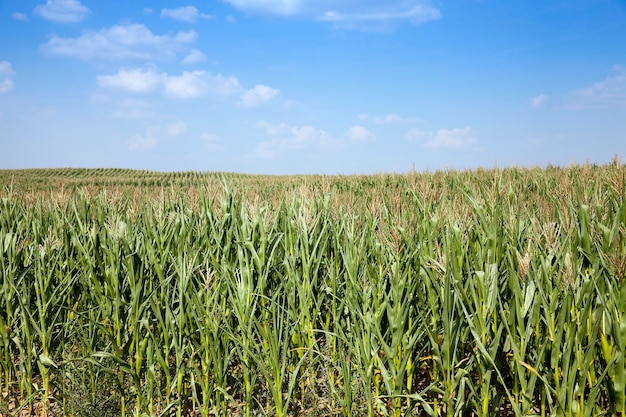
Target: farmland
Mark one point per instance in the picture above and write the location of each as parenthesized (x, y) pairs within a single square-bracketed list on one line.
[(481, 292)]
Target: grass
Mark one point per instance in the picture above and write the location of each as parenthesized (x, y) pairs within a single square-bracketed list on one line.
[(444, 293)]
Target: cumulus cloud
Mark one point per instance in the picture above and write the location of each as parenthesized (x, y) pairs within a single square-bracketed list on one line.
[(19, 16), (62, 11), (359, 134), (121, 42), (6, 77), (345, 13), (133, 80), (286, 137), (198, 83), (538, 100), (189, 84), (456, 138), (605, 94), (194, 57), (187, 14), (257, 95)]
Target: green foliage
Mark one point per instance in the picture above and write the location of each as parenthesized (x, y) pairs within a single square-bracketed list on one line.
[(487, 292)]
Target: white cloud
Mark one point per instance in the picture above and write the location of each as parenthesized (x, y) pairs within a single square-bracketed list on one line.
[(176, 129), (62, 11), (155, 134), (198, 83), (194, 57), (20, 16), (142, 142), (453, 138), (209, 137), (359, 134), (184, 14), (418, 14), (387, 119), (186, 85), (132, 109), (189, 84), (257, 95), (6, 77), (606, 94), (281, 7), (148, 10), (6, 85), (231, 19), (456, 138), (538, 100), (345, 13), (132, 80), (121, 42), (211, 141), (286, 137), (417, 136)]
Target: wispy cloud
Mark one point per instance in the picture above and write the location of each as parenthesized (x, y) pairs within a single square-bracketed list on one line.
[(284, 137), (211, 141), (19, 16), (388, 119), (62, 11), (156, 134), (143, 142), (176, 129), (121, 42), (345, 13), (605, 94), (187, 14), (6, 77), (257, 95), (382, 18), (457, 138), (132, 109), (538, 100), (281, 7)]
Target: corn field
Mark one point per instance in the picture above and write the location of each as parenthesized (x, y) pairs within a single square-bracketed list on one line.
[(448, 293)]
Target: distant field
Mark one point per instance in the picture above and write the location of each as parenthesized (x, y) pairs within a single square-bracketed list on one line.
[(447, 293)]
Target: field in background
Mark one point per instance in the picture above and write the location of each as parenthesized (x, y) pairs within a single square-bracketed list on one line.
[(484, 292)]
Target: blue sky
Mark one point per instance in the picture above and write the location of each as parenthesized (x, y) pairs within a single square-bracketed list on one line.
[(311, 86)]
